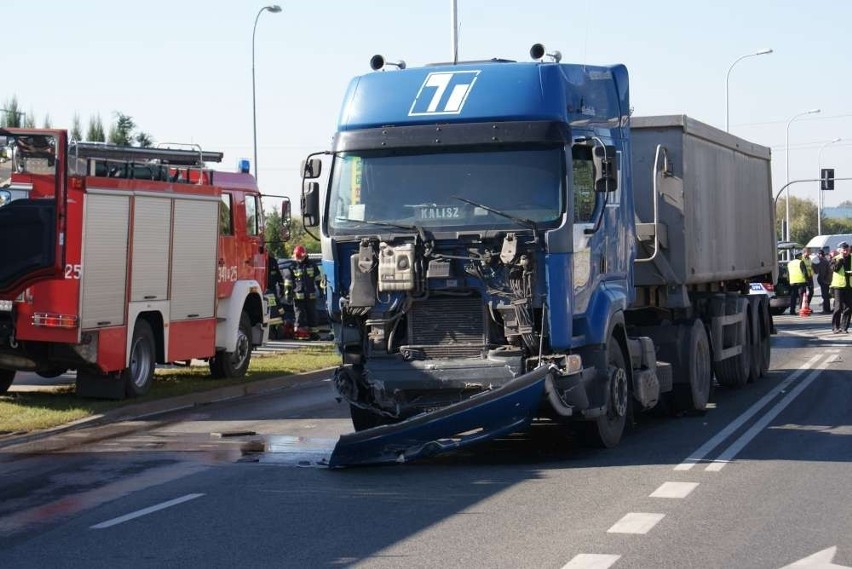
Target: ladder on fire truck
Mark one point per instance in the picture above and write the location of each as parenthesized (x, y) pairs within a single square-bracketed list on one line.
[(160, 163)]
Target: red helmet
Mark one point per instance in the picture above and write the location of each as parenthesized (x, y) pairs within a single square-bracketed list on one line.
[(299, 252)]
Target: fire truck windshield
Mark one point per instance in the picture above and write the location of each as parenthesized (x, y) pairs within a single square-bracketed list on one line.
[(26, 154), (423, 189)]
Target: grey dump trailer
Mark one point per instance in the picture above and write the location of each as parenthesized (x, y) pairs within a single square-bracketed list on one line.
[(703, 201)]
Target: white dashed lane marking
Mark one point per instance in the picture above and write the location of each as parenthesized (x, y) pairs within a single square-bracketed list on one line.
[(592, 561), (635, 522), (674, 490)]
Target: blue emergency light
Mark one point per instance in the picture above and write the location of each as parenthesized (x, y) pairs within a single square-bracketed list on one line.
[(244, 166)]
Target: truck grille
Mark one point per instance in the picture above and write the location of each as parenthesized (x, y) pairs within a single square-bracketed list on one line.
[(446, 327)]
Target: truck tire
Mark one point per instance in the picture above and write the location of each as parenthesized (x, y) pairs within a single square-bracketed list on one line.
[(606, 431), (139, 375), (362, 419), (757, 355), (234, 364), (696, 364), (764, 344), (7, 376), (734, 371)]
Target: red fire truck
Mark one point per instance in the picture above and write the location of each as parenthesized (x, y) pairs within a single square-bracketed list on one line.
[(114, 259)]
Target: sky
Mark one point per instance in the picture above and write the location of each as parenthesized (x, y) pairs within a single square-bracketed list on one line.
[(183, 69)]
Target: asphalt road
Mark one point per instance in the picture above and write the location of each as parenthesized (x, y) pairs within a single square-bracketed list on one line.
[(760, 481)]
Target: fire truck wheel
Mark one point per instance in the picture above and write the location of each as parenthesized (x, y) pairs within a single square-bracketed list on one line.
[(234, 364), (7, 376), (139, 376)]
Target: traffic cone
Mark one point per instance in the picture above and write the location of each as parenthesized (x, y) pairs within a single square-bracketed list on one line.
[(805, 309)]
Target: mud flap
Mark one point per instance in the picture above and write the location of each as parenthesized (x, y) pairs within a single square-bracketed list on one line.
[(485, 416)]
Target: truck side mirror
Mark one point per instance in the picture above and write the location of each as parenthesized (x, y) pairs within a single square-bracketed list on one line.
[(606, 169), (285, 220), (311, 168), (310, 204)]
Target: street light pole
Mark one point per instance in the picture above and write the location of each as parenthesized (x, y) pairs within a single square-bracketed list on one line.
[(819, 201), (787, 168), (728, 77), (274, 8)]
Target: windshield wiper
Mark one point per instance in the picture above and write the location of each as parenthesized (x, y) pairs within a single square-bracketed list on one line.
[(417, 228), (522, 220)]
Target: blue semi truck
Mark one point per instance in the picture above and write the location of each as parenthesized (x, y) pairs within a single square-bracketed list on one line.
[(504, 242)]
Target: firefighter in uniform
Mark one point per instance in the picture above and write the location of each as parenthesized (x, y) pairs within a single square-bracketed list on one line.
[(841, 266), (797, 273), (302, 282)]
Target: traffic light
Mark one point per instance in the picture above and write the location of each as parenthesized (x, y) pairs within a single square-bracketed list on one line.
[(826, 181)]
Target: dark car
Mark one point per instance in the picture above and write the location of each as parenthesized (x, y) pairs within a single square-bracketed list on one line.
[(287, 314)]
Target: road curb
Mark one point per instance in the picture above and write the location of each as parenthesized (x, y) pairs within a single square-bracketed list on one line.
[(124, 420)]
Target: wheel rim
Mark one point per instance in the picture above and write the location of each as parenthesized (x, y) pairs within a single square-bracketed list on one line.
[(618, 381), (241, 352), (140, 362)]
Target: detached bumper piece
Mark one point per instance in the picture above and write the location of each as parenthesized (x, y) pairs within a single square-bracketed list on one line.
[(484, 416)]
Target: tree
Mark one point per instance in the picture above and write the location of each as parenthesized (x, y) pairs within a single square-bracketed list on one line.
[(29, 120), (76, 130), (47, 123), (298, 236), (121, 131), (95, 133), (803, 219), (144, 140), (12, 115)]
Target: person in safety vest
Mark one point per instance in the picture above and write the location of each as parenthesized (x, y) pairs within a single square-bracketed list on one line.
[(302, 283), (841, 267), (798, 273)]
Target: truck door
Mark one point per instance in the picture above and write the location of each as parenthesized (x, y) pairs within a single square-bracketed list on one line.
[(226, 270), (33, 178)]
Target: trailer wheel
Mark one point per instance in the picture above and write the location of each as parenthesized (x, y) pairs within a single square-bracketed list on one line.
[(734, 371), (234, 364), (7, 376), (764, 345), (139, 375), (696, 363), (606, 431)]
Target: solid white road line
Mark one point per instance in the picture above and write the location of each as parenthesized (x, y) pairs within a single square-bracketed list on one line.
[(146, 511), (636, 522), (728, 454), (705, 449), (592, 561), (674, 490)]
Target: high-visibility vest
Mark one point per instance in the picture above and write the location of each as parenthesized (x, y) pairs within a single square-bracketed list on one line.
[(795, 272), (839, 279)]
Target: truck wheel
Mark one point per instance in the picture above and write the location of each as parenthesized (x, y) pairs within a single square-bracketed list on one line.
[(139, 375), (764, 345), (234, 364), (697, 365), (51, 373), (734, 371), (605, 431), (363, 419), (7, 376)]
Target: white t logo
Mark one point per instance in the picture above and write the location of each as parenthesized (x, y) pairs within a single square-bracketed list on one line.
[(443, 93)]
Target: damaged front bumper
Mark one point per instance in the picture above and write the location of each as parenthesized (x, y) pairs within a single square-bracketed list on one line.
[(484, 416)]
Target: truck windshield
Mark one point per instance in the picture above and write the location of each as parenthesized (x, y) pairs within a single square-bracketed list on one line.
[(423, 189)]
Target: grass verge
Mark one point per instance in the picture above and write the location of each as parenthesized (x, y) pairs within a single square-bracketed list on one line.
[(22, 412)]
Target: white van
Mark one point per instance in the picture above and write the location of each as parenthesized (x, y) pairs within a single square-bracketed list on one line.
[(827, 243)]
